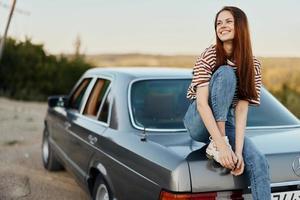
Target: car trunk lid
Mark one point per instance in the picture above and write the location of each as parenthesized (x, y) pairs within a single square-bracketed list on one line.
[(281, 147)]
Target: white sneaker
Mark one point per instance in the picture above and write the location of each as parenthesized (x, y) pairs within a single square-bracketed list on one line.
[(211, 150)]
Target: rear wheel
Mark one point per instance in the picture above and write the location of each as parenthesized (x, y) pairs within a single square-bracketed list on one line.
[(50, 161), (101, 190)]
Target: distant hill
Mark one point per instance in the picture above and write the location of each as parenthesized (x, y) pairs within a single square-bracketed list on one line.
[(136, 59), (141, 60), (276, 70)]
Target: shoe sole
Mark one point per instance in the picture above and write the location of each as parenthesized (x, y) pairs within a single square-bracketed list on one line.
[(211, 157)]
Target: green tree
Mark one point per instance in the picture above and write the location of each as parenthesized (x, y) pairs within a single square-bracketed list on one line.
[(28, 73)]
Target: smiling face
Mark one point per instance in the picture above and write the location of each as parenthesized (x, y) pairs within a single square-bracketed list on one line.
[(225, 26)]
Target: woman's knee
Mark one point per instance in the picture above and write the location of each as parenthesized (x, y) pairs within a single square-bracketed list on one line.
[(226, 71), (221, 91), (223, 80)]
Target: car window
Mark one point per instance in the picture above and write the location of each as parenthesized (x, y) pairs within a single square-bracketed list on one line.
[(96, 97), (270, 113), (105, 110), (76, 98), (161, 104)]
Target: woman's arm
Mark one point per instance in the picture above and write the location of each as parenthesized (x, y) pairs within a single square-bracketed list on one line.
[(225, 154), (207, 116)]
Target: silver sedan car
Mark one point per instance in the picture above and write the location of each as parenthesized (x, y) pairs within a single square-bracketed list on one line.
[(120, 133)]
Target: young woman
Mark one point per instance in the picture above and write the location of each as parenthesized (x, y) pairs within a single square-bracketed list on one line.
[(226, 80)]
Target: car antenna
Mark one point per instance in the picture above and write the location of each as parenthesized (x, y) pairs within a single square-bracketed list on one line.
[(144, 135)]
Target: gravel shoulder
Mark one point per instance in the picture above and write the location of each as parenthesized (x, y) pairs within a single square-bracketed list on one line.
[(22, 175)]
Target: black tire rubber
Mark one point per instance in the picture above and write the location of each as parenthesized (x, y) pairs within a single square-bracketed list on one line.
[(50, 163), (97, 184)]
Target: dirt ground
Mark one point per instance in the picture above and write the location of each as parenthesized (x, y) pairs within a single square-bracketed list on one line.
[(22, 175)]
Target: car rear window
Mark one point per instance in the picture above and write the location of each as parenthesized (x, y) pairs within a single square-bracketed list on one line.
[(162, 103), (159, 104), (270, 113)]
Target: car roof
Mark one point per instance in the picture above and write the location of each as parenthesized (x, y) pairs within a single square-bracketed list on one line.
[(142, 71)]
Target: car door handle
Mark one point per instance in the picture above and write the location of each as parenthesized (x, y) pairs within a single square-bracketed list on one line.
[(67, 125), (92, 139)]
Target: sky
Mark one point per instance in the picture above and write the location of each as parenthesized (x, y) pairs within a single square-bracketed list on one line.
[(149, 26)]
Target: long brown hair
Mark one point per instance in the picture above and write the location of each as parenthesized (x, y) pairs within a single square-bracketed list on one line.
[(242, 53)]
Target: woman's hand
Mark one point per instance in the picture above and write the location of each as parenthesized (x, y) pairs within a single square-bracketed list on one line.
[(227, 157), (239, 169)]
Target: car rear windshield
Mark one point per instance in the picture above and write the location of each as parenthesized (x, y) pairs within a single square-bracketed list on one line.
[(270, 113), (161, 104)]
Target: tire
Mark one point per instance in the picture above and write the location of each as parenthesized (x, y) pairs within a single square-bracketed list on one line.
[(50, 161), (101, 191)]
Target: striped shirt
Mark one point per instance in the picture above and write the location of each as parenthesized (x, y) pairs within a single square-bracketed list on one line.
[(204, 68)]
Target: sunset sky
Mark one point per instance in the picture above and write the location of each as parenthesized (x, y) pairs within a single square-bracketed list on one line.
[(150, 26)]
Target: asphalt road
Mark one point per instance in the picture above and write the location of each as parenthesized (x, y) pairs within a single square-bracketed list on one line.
[(22, 175)]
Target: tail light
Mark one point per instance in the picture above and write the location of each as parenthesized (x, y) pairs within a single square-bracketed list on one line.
[(234, 195)]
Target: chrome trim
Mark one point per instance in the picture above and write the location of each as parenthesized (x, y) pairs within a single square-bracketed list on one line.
[(105, 96), (109, 95), (288, 183), (160, 130), (282, 184), (274, 127), (130, 108)]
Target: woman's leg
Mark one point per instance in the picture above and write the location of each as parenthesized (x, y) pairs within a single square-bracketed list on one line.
[(256, 165), (257, 169), (222, 88), (221, 91)]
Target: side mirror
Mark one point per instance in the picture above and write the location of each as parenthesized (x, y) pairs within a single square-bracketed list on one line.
[(57, 101)]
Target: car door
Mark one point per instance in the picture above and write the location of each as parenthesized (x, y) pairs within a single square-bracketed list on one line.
[(86, 128), (61, 124)]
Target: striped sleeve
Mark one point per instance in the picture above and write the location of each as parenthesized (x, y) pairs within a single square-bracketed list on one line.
[(202, 71), (258, 83)]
